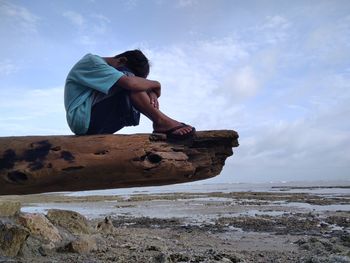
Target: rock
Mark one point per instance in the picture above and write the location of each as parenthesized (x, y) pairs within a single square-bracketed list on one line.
[(179, 257), (47, 249), (40, 226), (70, 220), (12, 238), (328, 259), (345, 239), (339, 259), (153, 248), (161, 258), (106, 226), (8, 260), (8, 208), (82, 245), (225, 260), (129, 246)]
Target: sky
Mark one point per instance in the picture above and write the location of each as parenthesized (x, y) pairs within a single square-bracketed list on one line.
[(277, 72)]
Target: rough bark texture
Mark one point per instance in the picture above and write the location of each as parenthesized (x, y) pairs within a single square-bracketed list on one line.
[(74, 163)]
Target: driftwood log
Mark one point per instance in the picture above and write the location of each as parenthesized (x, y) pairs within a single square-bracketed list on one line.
[(38, 164)]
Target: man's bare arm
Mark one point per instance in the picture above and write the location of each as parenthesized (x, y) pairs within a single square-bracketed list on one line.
[(134, 83)]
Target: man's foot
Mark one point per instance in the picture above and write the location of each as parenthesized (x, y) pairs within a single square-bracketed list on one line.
[(161, 122), (179, 131)]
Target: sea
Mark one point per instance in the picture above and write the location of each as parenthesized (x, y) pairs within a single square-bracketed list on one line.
[(312, 187), (327, 189)]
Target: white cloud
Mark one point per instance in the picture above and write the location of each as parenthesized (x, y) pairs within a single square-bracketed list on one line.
[(288, 148), (89, 27), (99, 24), (220, 51), (29, 112), (274, 29), (326, 42), (191, 75), (276, 22), (7, 67), (130, 4), (314, 145), (19, 16), (241, 83), (86, 40), (282, 135), (76, 18), (186, 3)]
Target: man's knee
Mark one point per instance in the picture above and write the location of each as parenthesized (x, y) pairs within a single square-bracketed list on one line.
[(137, 95)]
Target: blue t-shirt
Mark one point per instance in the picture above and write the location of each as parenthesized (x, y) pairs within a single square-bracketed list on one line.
[(91, 73)]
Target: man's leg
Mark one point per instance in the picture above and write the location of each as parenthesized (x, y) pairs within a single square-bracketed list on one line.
[(161, 122), (106, 117)]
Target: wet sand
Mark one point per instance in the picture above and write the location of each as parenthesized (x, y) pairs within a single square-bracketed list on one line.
[(286, 224)]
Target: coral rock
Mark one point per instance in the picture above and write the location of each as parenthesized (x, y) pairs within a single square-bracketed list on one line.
[(40, 227), (12, 238), (72, 221), (8, 208), (82, 245)]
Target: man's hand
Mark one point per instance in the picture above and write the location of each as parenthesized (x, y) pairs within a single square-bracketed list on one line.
[(156, 90), (153, 99)]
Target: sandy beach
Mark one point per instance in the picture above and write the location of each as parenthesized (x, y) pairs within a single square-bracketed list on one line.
[(203, 223)]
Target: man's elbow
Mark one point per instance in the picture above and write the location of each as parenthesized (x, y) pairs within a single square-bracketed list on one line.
[(127, 82)]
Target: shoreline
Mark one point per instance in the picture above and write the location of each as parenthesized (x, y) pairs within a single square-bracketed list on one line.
[(246, 226)]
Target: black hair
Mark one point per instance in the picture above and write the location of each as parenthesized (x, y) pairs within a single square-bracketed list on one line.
[(137, 62)]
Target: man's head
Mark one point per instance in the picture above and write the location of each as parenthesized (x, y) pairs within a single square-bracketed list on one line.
[(135, 61)]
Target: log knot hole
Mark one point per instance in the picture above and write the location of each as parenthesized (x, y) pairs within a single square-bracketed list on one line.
[(67, 156), (154, 158), (101, 152), (150, 157), (17, 177)]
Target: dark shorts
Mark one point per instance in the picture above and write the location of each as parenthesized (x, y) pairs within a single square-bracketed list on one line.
[(108, 114), (112, 112)]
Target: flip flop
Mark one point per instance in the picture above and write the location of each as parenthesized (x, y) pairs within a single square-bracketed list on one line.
[(171, 135)]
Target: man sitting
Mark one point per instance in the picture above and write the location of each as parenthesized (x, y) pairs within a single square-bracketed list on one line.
[(104, 94)]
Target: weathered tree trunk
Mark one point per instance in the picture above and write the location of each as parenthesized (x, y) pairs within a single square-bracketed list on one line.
[(74, 163)]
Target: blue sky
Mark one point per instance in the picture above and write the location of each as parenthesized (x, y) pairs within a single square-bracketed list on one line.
[(275, 71)]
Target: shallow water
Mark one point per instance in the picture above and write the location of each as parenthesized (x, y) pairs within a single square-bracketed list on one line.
[(90, 210), (202, 208), (320, 208), (288, 187)]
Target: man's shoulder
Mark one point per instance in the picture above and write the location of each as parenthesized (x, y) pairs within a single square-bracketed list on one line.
[(88, 61), (90, 58)]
